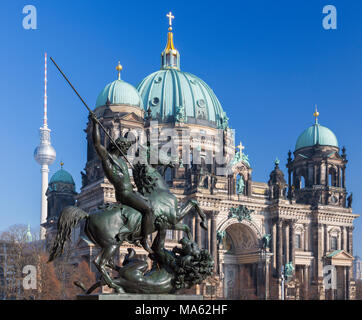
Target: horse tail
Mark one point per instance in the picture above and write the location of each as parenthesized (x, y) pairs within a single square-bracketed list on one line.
[(68, 219)]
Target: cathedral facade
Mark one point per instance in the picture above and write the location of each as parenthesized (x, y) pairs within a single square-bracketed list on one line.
[(290, 237)]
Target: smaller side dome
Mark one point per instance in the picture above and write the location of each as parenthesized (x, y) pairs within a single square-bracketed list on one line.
[(119, 92), (62, 176), (316, 135)]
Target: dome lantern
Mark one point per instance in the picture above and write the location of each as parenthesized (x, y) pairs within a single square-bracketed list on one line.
[(170, 57)]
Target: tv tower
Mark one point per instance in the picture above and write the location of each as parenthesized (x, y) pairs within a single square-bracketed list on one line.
[(45, 155)]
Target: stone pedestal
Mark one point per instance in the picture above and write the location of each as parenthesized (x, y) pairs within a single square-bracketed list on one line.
[(133, 296)]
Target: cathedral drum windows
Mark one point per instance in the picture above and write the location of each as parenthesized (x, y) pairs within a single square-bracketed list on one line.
[(334, 243), (298, 241), (334, 239)]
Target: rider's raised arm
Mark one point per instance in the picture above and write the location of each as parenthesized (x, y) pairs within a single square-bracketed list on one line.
[(101, 150)]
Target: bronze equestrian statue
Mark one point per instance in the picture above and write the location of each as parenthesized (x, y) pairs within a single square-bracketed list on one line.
[(133, 218)]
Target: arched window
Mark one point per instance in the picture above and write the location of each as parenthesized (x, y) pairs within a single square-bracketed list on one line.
[(332, 179), (334, 243), (298, 243), (302, 182)]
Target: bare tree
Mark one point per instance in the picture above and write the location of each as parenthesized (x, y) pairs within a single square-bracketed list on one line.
[(53, 281)]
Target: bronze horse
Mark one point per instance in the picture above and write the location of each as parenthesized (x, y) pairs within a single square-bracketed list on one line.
[(110, 227)]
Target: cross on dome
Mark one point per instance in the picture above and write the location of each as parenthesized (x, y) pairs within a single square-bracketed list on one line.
[(240, 147), (170, 17)]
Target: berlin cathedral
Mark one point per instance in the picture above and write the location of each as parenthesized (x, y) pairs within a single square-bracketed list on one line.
[(269, 240)]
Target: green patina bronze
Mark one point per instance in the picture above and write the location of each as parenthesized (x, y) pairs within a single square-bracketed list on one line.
[(240, 185), (220, 235), (136, 215), (289, 269), (181, 114), (265, 240), (241, 212)]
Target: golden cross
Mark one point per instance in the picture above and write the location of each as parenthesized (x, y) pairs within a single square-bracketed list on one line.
[(240, 147), (170, 17)]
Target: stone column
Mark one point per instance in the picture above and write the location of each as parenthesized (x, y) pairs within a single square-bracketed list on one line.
[(267, 277), (198, 231), (193, 231), (326, 174), (342, 239), (315, 174), (306, 239), (325, 236), (343, 177), (286, 242), (213, 246), (306, 280), (279, 246), (319, 250), (350, 240), (339, 177), (292, 242), (208, 233), (348, 283), (274, 244)]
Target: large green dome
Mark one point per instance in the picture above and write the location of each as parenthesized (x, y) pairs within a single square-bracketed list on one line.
[(167, 91), (119, 92), (62, 176), (172, 95), (316, 135)]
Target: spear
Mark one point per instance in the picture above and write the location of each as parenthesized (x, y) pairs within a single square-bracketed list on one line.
[(92, 113)]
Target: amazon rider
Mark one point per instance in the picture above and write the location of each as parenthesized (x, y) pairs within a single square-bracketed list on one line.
[(116, 170)]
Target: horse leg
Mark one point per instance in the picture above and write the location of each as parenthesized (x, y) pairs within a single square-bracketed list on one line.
[(102, 260), (186, 209), (183, 227)]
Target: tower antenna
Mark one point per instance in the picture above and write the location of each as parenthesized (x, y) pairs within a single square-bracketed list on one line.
[(45, 155)]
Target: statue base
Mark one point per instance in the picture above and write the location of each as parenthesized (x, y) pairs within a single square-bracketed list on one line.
[(135, 296)]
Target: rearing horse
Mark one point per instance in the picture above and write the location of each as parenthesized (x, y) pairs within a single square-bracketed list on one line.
[(110, 227)]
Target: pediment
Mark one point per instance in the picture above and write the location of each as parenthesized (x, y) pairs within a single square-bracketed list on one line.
[(131, 117), (334, 156), (340, 257)]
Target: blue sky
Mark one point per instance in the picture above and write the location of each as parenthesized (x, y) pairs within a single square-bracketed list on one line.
[(269, 63)]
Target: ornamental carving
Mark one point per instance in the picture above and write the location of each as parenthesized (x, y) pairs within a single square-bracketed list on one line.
[(240, 213)]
